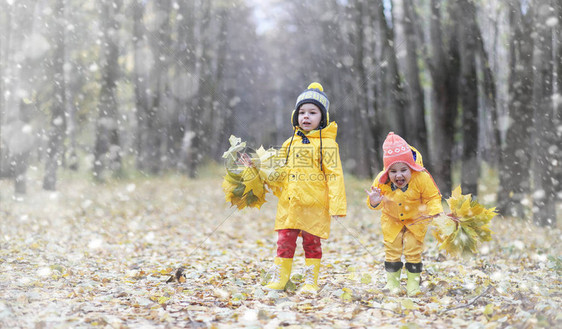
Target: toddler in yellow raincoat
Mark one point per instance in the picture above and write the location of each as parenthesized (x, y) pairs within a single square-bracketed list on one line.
[(408, 197), (311, 186)]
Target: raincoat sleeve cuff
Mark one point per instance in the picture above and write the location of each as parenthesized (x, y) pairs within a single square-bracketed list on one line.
[(375, 207)]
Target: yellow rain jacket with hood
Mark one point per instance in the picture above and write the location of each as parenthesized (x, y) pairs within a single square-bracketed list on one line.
[(311, 180), (310, 193), (407, 207)]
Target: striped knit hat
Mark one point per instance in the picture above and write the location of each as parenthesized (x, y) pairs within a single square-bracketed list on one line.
[(314, 94)]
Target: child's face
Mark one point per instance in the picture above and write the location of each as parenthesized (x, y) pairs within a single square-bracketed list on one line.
[(400, 174), (309, 117)]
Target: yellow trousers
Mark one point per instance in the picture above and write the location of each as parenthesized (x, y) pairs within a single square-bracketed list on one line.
[(405, 244)]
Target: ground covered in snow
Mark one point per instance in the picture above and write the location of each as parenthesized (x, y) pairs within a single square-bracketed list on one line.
[(101, 255)]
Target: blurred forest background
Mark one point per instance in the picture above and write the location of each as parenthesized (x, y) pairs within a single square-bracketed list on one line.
[(110, 87)]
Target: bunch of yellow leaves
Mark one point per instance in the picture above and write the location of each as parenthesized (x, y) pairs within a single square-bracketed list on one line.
[(244, 189), (245, 186), (467, 225)]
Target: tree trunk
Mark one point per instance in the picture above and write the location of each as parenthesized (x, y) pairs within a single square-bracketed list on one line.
[(558, 101), (187, 54), (22, 74), (415, 118), (107, 150), (362, 168), (198, 124), (395, 101), (469, 98), (58, 113), (375, 133), (489, 87), (19, 163), (444, 72), (4, 60), (217, 96), (140, 80), (4, 38), (515, 157), (545, 139)]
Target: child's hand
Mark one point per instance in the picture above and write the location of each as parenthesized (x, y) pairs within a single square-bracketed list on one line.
[(375, 196), (246, 160)]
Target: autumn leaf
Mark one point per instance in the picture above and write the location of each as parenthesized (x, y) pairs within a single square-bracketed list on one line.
[(290, 286), (346, 294), (408, 304), (366, 278), (236, 145), (460, 232), (265, 277)]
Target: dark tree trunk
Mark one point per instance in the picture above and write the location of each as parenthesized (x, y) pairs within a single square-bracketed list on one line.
[(187, 67), (362, 167), (444, 69), (515, 157), (217, 96), (374, 111), (198, 124), (58, 113), (470, 170), (107, 150), (140, 80), (415, 118), (489, 87), (395, 101), (545, 139), (157, 113), (558, 109)]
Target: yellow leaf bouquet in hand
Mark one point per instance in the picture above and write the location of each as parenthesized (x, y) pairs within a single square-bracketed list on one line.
[(244, 186), (460, 232)]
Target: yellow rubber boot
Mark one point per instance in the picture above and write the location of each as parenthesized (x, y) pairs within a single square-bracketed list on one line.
[(281, 271), (311, 276)]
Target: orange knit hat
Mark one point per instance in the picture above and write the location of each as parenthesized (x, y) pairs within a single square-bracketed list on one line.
[(397, 150)]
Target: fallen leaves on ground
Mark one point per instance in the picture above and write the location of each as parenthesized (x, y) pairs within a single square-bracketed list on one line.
[(101, 255)]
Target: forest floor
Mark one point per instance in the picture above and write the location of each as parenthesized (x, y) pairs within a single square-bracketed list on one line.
[(92, 255)]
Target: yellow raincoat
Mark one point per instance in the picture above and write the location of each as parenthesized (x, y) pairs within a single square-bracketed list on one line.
[(401, 208), (308, 195)]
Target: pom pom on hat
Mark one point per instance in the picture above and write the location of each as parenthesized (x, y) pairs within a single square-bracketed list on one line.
[(315, 85), (397, 150), (314, 94)]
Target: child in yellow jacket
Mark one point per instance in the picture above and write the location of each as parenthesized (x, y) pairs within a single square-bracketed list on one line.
[(408, 197), (311, 184)]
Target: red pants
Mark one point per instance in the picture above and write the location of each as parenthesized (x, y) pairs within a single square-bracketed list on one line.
[(287, 242)]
